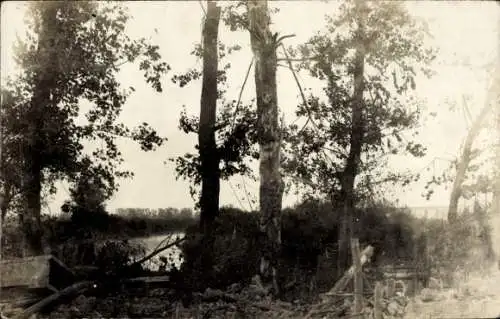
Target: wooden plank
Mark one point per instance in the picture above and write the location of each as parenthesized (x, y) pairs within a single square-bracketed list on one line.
[(391, 288), (32, 272), (378, 295), (358, 279), (147, 282), (153, 279), (79, 287), (35, 272)]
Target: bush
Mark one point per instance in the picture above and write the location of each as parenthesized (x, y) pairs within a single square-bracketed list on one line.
[(235, 251), (474, 251), (309, 239)]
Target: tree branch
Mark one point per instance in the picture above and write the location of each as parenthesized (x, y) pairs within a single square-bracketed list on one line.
[(240, 94), (156, 252), (304, 100), (314, 58)]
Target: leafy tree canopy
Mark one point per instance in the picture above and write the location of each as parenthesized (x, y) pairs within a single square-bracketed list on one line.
[(395, 55), (235, 127), (72, 52)]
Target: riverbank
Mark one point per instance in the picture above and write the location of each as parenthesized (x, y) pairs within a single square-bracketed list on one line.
[(172, 255)]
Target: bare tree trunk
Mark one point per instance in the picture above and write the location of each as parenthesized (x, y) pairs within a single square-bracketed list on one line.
[(347, 226), (210, 173), (465, 158), (5, 198), (269, 138), (3, 210), (30, 219), (3, 193)]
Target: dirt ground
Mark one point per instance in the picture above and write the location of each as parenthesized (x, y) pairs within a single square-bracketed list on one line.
[(477, 297)]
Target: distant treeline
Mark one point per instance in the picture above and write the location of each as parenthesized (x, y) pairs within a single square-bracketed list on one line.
[(83, 225), (170, 212), (148, 221)]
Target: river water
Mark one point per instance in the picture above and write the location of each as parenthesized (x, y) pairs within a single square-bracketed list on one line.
[(173, 254)]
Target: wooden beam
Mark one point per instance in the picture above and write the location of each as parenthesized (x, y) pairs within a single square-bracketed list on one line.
[(358, 279), (79, 287), (341, 284), (377, 301)]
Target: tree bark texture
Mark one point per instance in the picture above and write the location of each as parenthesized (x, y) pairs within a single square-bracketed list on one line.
[(3, 193), (347, 227), (465, 158), (45, 81), (269, 138), (210, 173)]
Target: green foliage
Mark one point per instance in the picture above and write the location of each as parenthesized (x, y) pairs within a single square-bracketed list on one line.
[(71, 54), (395, 54)]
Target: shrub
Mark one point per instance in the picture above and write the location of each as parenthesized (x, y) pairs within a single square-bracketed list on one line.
[(235, 251), (474, 251), (309, 238)]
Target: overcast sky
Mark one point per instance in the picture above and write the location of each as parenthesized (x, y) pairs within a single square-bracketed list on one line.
[(463, 31)]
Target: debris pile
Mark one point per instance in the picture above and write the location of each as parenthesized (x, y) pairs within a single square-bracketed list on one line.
[(387, 306)]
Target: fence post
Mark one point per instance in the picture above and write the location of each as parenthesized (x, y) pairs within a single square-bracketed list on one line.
[(391, 287), (358, 278), (377, 301), (417, 262)]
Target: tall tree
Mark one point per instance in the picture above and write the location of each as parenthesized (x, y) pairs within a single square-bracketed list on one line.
[(234, 127), (264, 45), (345, 142), (210, 173), (357, 133), (72, 52), (467, 154)]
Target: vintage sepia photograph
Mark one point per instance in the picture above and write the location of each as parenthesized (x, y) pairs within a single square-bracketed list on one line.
[(250, 159)]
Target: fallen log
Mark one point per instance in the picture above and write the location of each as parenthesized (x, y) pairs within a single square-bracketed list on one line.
[(25, 302), (76, 288), (148, 280)]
